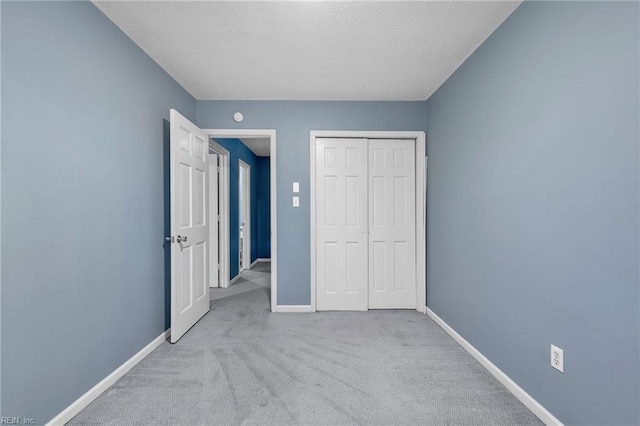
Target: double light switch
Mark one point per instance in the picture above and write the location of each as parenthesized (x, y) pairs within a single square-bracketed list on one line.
[(296, 190)]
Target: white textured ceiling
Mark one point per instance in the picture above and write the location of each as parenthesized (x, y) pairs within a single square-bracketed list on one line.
[(299, 50), (260, 146)]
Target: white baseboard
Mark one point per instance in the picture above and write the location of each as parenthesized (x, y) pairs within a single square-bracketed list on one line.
[(533, 405), (294, 308), (72, 410), (233, 280), (259, 260)]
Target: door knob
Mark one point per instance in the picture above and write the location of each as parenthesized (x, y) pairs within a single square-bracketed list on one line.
[(179, 239)]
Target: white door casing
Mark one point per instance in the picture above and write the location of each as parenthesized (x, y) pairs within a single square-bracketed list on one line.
[(214, 215), (245, 206), (341, 232), (392, 224), (189, 225)]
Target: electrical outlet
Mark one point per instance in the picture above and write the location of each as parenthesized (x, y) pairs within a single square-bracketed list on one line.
[(557, 358)]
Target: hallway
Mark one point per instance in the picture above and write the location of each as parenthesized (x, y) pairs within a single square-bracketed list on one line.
[(241, 364), (256, 279)]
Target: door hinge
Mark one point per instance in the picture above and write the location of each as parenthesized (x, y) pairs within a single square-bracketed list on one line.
[(218, 266), (169, 239), (218, 218)]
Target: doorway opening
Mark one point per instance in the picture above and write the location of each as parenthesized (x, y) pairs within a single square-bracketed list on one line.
[(254, 247)]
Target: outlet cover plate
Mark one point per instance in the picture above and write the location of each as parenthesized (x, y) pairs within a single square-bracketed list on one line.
[(557, 358)]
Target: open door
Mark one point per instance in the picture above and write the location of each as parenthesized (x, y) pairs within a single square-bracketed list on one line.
[(189, 225)]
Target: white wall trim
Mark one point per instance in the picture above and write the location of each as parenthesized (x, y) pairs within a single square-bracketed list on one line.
[(271, 134), (234, 280), (223, 196), (533, 405), (72, 410), (420, 138), (294, 308)]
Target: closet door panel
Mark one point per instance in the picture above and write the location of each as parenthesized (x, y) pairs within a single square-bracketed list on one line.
[(392, 229), (341, 224)]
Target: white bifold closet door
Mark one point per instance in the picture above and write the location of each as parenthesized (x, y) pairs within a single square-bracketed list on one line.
[(214, 239), (365, 224), (392, 224), (341, 201)]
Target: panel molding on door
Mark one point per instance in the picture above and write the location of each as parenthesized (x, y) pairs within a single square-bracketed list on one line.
[(189, 224), (392, 224), (341, 226)]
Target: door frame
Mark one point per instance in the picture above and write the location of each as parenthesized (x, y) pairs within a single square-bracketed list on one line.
[(255, 133), (421, 261), (245, 257), (223, 209)]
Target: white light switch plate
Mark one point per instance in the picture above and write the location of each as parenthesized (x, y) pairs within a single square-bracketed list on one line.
[(296, 201), (296, 187)]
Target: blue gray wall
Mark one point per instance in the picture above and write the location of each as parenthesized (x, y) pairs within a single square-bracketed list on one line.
[(263, 200), (84, 115), (533, 200), (293, 121), (239, 151), (533, 205)]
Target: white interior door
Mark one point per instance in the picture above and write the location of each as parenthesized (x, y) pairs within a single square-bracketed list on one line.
[(341, 231), (392, 224), (214, 241), (189, 225)]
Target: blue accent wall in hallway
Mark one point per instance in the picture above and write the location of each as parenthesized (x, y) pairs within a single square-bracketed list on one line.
[(85, 115), (263, 200), (533, 205)]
